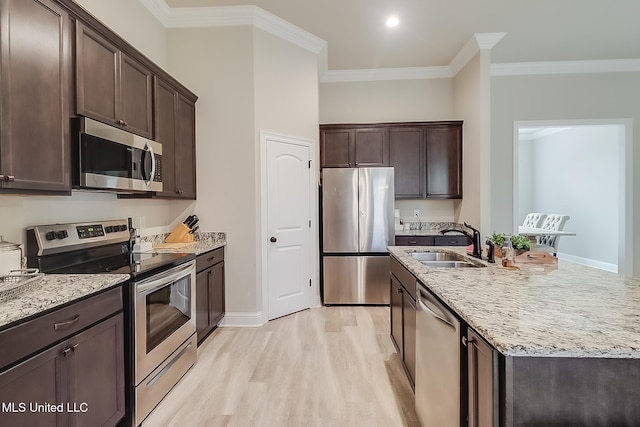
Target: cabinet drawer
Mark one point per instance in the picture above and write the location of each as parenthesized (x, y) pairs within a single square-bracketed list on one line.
[(209, 259), (452, 241), (414, 240), (33, 335)]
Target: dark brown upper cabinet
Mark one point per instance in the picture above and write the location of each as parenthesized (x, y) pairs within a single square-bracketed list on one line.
[(175, 130), (426, 156), (407, 147), (347, 146), (371, 147), (337, 147), (112, 87), (35, 86), (444, 161)]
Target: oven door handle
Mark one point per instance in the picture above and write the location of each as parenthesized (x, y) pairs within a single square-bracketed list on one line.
[(160, 280)]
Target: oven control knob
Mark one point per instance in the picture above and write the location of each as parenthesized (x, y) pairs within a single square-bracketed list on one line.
[(51, 235), (62, 234), (123, 228)]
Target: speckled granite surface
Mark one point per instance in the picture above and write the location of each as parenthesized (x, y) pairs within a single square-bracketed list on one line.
[(54, 290), (203, 242), (563, 310)]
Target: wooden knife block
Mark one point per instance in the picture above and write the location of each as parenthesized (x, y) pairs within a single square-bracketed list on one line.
[(180, 234)]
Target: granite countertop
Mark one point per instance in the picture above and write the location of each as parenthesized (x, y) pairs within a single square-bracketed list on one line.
[(544, 310), (203, 243), (51, 291), (418, 233)]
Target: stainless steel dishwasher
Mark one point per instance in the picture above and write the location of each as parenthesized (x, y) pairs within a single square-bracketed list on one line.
[(437, 382)]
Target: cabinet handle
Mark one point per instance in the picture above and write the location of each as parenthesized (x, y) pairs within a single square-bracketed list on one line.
[(61, 325), (413, 242), (179, 191), (399, 290), (7, 178), (68, 350), (211, 259), (122, 122)]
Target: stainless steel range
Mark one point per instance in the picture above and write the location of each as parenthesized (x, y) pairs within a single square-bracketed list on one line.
[(160, 326)]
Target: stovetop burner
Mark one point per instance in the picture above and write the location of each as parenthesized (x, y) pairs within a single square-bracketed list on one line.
[(143, 264)]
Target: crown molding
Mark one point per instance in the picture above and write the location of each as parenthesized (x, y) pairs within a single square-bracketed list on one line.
[(227, 16), (377, 74), (159, 9), (565, 67), (477, 42)]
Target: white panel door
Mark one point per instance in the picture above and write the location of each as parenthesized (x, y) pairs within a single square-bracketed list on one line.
[(288, 227)]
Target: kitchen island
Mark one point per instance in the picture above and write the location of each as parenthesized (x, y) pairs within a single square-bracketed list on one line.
[(566, 337)]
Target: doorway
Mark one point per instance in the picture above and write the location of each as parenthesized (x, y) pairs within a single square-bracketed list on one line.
[(288, 224), (581, 169)]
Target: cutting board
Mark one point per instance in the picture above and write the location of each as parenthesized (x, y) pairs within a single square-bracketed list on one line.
[(170, 245), (536, 257)]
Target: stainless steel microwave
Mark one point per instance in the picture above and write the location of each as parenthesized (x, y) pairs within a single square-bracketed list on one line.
[(111, 159)]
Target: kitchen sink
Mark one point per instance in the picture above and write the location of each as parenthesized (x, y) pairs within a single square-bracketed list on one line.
[(451, 264), (444, 259), (437, 256)]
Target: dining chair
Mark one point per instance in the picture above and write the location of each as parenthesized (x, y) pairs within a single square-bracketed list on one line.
[(553, 222), (534, 220)]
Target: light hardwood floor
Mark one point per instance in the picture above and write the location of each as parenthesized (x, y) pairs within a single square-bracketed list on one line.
[(326, 366)]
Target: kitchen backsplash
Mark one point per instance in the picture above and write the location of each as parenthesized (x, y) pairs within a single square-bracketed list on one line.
[(424, 226)]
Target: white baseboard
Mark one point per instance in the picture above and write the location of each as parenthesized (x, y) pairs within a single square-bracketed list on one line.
[(243, 320), (589, 262), (253, 320)]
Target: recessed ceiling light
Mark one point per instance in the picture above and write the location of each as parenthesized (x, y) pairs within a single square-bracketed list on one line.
[(392, 21)]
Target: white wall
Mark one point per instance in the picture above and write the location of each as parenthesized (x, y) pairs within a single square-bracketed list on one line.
[(567, 171), (386, 101), (471, 104), (559, 97), (217, 64), (247, 80), (393, 101), (286, 103)]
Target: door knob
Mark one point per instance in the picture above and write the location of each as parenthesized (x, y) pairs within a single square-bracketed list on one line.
[(273, 240)]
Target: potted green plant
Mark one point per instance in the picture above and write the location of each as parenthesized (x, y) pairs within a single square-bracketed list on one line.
[(498, 241), (520, 243)]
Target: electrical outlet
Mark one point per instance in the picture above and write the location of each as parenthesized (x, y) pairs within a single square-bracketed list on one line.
[(416, 212)]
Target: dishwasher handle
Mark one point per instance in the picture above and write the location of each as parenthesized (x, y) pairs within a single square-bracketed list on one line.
[(424, 308)]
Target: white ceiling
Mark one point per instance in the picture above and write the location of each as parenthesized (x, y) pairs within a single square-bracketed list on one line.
[(432, 32)]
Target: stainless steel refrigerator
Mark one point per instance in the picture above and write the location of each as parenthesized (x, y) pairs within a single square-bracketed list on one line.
[(357, 227)]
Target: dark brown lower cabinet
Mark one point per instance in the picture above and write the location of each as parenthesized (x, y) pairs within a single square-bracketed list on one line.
[(403, 317), (78, 382), (210, 307), (482, 362)]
